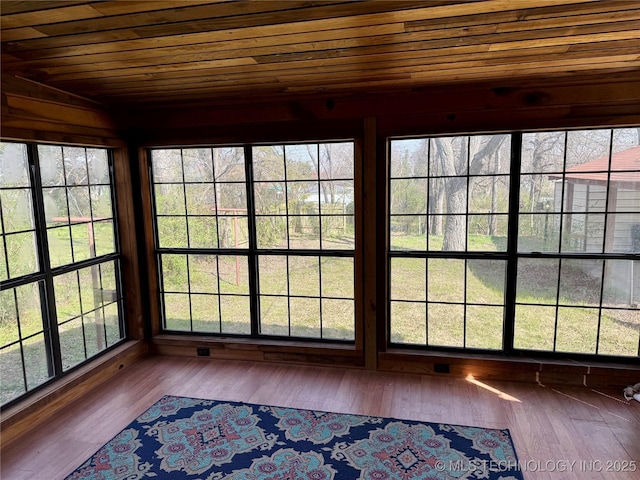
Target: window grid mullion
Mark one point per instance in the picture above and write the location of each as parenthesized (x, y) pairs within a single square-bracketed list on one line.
[(254, 271), (560, 247), (50, 320), (604, 239)]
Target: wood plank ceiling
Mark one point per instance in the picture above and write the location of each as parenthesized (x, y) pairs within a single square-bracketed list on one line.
[(149, 52)]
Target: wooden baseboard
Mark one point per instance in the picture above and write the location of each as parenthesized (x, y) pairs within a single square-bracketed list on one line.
[(531, 370), (23, 416), (304, 353)]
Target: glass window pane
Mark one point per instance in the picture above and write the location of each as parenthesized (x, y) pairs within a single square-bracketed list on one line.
[(304, 232), (233, 230), (233, 273), (409, 157), (446, 324), (408, 323), (201, 198), (619, 332), (167, 165), (4, 274), (542, 152), (17, 210), (621, 284), (14, 165), (304, 276), (449, 156), (270, 198), (305, 317), (486, 281), (337, 277), (198, 166), (489, 194), (484, 327), (539, 233), (29, 308), (338, 232), (408, 279), (101, 206), (338, 319), (274, 315), (231, 198), (408, 196), (172, 232), (580, 282), (487, 233), (98, 165), (235, 313), (75, 166), (174, 273), (22, 255), (55, 205), (104, 237), (51, 165), (271, 232), (454, 234), (446, 280), (177, 311), (583, 232), (82, 241), (537, 281), (577, 330), (112, 323), (302, 161), (229, 164), (205, 313), (268, 163), (72, 345), (94, 332), (67, 292), (11, 368), (203, 232), (272, 271), (8, 318), (623, 233), (169, 199), (534, 327), (60, 251), (336, 160), (203, 273), (408, 232)]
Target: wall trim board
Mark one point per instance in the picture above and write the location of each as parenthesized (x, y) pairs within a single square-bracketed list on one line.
[(499, 368), (259, 350)]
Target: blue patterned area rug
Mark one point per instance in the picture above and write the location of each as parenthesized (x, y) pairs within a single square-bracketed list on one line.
[(186, 438)]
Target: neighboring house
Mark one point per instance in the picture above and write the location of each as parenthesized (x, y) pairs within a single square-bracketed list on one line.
[(588, 228)]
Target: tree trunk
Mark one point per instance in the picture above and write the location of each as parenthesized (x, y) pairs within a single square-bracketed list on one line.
[(493, 219), (455, 226)]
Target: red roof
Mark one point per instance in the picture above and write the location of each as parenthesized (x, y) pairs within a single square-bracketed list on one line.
[(625, 169)]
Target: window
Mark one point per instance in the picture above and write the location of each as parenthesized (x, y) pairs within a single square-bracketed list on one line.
[(448, 203), (60, 294), (257, 241), (516, 242), (578, 284)]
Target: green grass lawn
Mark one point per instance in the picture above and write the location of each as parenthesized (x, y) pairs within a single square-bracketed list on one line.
[(83, 330), (428, 299)]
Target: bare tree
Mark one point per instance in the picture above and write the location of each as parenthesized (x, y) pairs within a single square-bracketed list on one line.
[(452, 156)]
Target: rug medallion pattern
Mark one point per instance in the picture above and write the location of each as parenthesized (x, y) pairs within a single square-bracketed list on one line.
[(191, 439)]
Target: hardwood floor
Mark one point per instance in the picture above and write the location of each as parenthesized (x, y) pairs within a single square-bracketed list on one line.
[(551, 426)]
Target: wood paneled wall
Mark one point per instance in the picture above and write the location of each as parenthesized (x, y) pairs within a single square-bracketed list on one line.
[(36, 113), (31, 111)]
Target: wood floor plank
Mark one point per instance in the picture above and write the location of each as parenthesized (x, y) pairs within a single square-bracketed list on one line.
[(548, 425)]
